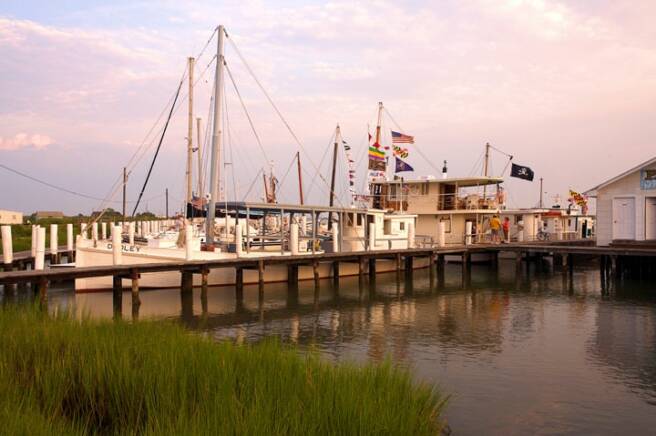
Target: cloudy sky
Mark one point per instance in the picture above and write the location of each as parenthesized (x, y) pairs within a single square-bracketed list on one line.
[(568, 88)]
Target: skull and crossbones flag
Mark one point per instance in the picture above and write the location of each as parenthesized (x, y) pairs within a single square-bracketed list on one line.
[(522, 172)]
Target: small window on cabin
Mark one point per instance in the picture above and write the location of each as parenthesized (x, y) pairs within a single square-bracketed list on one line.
[(401, 226), (424, 188), (359, 219), (517, 219)]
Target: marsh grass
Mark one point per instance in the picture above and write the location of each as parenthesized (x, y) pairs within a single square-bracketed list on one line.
[(63, 376)]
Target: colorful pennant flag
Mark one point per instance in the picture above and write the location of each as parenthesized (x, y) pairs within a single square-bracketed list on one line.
[(402, 166)]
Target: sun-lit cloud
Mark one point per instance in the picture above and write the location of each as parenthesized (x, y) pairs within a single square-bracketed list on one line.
[(24, 140)]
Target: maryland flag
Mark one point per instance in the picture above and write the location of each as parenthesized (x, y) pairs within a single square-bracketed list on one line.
[(577, 198)]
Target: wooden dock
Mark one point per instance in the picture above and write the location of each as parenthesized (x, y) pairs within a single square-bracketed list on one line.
[(611, 260)]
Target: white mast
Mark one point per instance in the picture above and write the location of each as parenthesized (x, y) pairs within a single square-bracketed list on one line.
[(215, 165), (199, 150), (190, 128)]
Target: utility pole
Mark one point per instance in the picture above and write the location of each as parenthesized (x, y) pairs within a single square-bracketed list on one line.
[(300, 177), (190, 127), (541, 191), (332, 179), (167, 202), (125, 183)]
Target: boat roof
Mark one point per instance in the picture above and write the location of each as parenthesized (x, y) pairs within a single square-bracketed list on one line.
[(259, 208), (460, 181)]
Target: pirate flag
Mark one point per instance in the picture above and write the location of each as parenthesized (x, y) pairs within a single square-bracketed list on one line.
[(522, 172)]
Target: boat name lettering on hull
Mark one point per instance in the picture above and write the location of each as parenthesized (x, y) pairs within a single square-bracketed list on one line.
[(125, 247)]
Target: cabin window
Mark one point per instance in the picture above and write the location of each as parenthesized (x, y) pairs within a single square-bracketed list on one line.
[(518, 218), (424, 188), (359, 221), (401, 226)]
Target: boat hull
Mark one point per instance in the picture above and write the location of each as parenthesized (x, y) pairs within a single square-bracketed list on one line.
[(216, 277)]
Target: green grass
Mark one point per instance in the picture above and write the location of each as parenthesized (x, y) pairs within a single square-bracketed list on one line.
[(62, 376)]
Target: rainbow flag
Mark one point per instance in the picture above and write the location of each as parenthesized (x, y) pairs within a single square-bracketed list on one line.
[(376, 154)]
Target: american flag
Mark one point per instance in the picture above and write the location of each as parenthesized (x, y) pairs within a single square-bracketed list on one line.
[(400, 138)]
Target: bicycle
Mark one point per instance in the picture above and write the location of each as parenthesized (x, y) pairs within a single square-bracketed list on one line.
[(542, 235)]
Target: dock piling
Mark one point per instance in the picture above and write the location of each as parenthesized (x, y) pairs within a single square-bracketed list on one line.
[(54, 244), (7, 246), (260, 274), (117, 296), (136, 301), (335, 273), (186, 281), (39, 260)]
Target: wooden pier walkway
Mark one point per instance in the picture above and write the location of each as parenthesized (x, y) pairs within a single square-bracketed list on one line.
[(366, 260)]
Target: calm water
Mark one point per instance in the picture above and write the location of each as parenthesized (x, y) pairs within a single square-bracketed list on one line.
[(534, 355)]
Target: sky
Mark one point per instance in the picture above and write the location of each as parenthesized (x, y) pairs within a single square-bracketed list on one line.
[(566, 88)]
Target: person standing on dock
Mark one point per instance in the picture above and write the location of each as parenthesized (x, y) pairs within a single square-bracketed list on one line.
[(506, 230), (495, 226)]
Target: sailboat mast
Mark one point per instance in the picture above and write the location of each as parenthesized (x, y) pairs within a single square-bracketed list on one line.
[(332, 179), (190, 128), (199, 150), (485, 166), (215, 166), (300, 176), (380, 116)]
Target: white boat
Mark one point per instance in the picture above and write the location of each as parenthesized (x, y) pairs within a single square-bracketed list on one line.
[(354, 230)]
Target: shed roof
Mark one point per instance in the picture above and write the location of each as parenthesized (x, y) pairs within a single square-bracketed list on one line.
[(592, 192)]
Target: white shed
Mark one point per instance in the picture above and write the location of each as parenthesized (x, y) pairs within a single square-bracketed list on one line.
[(626, 205), (11, 217)]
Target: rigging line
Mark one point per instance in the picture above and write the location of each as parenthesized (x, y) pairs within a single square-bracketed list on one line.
[(143, 142), (184, 96), (331, 141), (230, 144), (206, 141), (282, 118), (500, 151), (477, 163), (287, 172), (415, 145), (255, 180), (200, 54), (174, 109), (506, 167), (250, 121), (150, 170), (50, 185)]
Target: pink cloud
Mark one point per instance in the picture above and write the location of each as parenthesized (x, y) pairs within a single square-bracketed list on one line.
[(24, 140)]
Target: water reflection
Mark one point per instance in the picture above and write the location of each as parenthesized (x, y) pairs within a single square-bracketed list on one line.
[(535, 352)]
